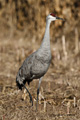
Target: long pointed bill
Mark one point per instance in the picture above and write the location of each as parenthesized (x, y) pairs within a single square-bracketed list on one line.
[(60, 18)]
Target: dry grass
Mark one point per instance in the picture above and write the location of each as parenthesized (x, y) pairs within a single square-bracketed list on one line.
[(59, 94), (59, 97)]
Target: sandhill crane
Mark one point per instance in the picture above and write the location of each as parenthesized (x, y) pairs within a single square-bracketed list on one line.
[(36, 65)]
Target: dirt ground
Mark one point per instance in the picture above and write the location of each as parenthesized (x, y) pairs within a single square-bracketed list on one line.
[(60, 89), (59, 97)]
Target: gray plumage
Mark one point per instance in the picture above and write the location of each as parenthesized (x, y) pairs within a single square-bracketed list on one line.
[(36, 65)]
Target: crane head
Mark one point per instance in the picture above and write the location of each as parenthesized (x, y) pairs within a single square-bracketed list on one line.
[(53, 17)]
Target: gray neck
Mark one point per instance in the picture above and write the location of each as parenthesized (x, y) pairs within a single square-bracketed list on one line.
[(46, 40)]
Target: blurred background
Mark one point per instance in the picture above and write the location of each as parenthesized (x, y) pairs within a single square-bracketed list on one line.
[(22, 27)]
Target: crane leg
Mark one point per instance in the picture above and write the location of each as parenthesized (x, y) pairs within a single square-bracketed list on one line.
[(29, 94), (38, 92)]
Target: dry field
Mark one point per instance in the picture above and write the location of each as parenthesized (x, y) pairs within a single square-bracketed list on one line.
[(60, 89), (59, 97)]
